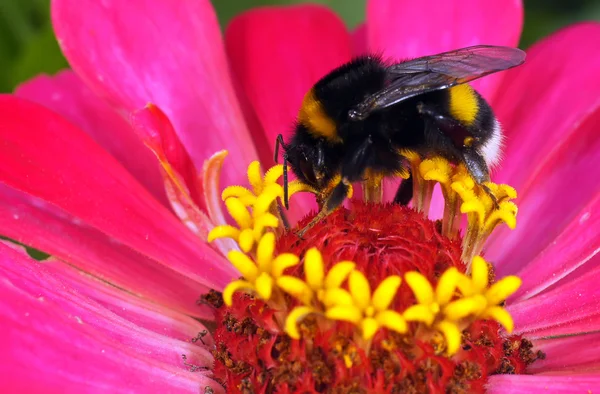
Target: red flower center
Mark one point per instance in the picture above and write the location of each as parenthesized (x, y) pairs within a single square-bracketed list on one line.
[(253, 355)]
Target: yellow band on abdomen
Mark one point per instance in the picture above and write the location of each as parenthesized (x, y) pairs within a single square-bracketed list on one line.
[(464, 104)]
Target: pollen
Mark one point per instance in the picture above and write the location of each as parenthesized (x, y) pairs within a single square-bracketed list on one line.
[(260, 275)]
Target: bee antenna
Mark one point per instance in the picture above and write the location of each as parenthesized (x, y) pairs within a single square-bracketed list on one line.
[(279, 141), (284, 219), (285, 182)]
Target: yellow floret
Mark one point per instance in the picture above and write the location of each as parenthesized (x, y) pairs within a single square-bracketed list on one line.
[(317, 286), (489, 299), (369, 311), (458, 300), (260, 275), (260, 183), (251, 225)]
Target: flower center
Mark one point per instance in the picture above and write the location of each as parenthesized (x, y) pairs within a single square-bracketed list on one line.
[(374, 298)]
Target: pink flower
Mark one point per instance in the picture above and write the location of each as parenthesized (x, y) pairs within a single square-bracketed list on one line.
[(114, 308)]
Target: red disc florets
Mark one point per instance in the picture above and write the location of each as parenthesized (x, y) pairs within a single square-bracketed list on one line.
[(253, 355)]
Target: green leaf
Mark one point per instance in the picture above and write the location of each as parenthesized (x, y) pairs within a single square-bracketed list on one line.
[(27, 43), (41, 55), (352, 11)]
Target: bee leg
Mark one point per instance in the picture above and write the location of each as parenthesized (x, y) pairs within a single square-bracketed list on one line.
[(332, 202), (354, 170), (405, 192), (478, 169)]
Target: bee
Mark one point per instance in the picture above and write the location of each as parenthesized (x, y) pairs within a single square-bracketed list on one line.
[(354, 123)]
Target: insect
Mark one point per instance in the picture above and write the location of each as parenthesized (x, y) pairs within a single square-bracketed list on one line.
[(354, 122)]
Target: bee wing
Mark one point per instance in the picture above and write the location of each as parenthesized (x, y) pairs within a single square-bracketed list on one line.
[(436, 72)]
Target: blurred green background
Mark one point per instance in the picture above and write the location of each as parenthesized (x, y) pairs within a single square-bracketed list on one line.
[(28, 47)]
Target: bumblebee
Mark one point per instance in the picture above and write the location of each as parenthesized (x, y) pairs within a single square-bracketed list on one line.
[(355, 122)]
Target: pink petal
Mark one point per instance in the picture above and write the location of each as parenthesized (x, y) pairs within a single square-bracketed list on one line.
[(155, 130), (359, 40), (211, 173), (544, 101), (54, 338), (182, 182), (572, 308), (75, 174), (554, 198), (39, 225), (403, 29), (572, 248), (71, 98), (578, 353), (278, 53), (550, 384), (590, 264), (142, 313), (168, 53)]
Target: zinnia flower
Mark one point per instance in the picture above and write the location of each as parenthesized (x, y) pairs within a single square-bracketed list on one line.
[(111, 169)]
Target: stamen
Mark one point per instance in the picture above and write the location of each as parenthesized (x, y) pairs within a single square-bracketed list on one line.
[(251, 225), (439, 170), (370, 311), (489, 299), (421, 190), (373, 187), (262, 199), (246, 196), (486, 205), (295, 316), (261, 183), (450, 312), (261, 275), (317, 286), (483, 214), (255, 177), (430, 303)]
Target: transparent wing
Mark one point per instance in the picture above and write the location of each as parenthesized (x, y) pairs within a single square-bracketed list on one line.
[(436, 72)]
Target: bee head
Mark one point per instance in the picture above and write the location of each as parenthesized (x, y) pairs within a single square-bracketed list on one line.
[(303, 162), (313, 160)]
